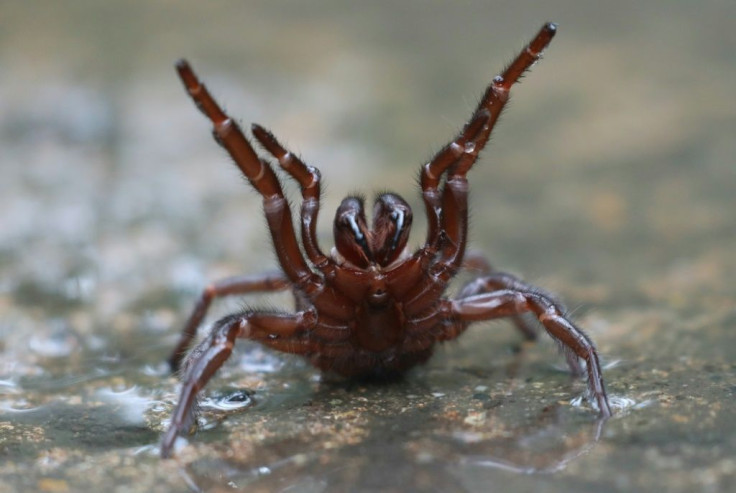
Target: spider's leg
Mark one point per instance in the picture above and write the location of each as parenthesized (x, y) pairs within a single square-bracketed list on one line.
[(261, 176), (455, 192), (497, 93), (500, 280), (209, 355), (217, 289), (431, 173), (448, 212), (309, 179), (486, 283), (331, 298), (452, 241), (422, 291), (519, 299), (477, 262)]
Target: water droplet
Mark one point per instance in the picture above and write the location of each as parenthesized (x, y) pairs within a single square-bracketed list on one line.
[(19, 406), (150, 449), (617, 402), (59, 344), (237, 399), (128, 404), (79, 287), (467, 437), (621, 403), (8, 387), (159, 370), (179, 444), (577, 401)]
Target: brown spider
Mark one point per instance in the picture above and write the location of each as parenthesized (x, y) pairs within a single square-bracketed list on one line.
[(371, 309)]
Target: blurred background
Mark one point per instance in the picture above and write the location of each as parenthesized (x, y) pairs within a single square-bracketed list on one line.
[(610, 179)]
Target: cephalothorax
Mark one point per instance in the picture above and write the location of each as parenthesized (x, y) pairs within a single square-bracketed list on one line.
[(371, 309)]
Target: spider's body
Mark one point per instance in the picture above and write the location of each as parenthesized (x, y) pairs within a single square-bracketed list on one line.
[(371, 308)]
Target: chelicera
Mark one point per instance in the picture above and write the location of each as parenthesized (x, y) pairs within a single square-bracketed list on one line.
[(372, 308)]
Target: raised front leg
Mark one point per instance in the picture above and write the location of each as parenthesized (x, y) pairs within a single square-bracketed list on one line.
[(455, 192), (518, 300), (447, 211), (261, 176), (224, 287), (309, 179), (432, 172), (212, 352), (497, 93)]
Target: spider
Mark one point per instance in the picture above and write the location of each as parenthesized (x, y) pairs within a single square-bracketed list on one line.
[(372, 308)]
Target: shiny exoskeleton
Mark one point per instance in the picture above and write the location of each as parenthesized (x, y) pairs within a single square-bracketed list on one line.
[(371, 308)]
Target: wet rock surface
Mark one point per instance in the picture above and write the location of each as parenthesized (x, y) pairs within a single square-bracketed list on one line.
[(609, 180)]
